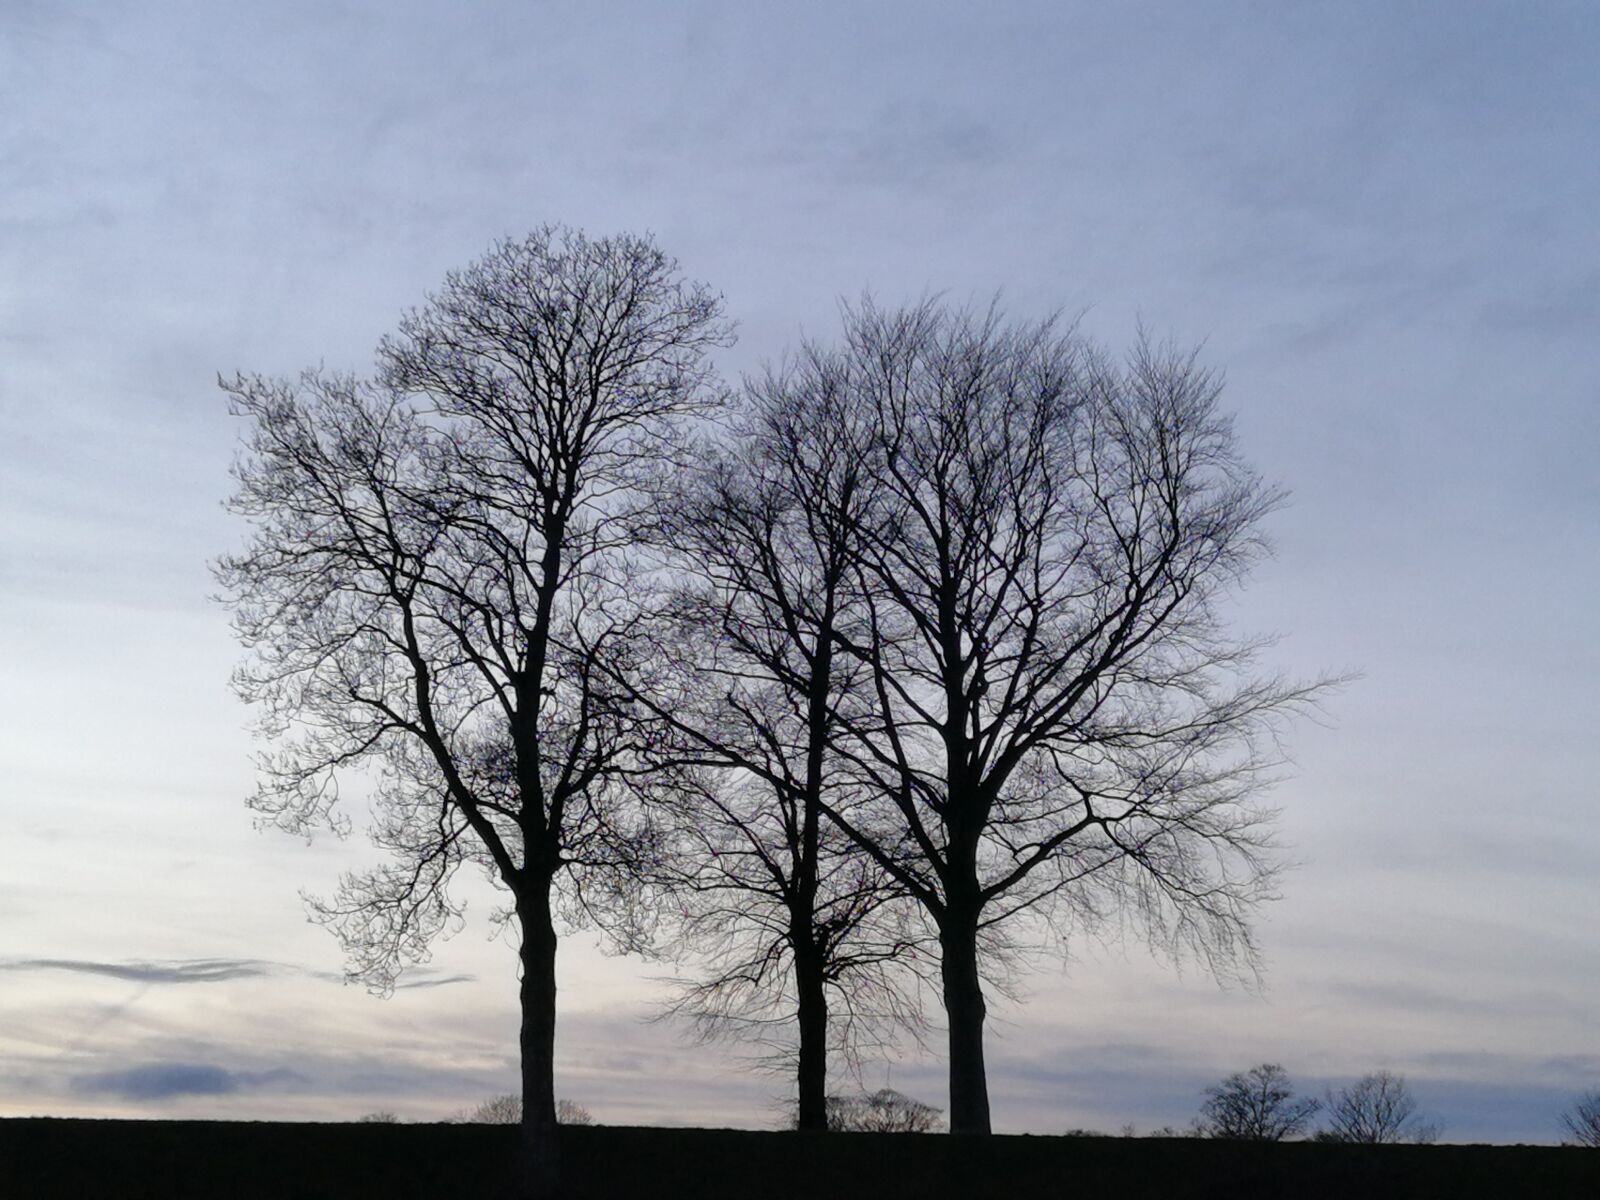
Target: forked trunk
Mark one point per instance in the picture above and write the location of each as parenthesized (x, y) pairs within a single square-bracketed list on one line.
[(964, 1013)]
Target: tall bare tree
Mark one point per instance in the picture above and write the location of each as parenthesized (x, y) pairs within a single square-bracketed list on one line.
[(1059, 726), (803, 934), (434, 583)]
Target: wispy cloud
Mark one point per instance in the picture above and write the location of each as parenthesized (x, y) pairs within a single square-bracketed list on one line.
[(442, 981), (194, 970), (203, 970), (161, 1081)]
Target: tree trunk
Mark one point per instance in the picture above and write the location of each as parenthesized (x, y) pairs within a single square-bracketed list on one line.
[(809, 962), (811, 1076), (964, 1012), (538, 1168)]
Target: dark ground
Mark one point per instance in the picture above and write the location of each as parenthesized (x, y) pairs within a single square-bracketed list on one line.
[(43, 1158)]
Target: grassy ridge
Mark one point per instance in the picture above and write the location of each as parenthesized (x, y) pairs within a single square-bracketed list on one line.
[(46, 1158)]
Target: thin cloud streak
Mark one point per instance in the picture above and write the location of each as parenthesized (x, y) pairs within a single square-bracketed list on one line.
[(444, 981), (204, 970)]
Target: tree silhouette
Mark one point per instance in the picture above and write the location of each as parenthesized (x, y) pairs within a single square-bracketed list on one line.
[(1582, 1121), (1056, 726), (1255, 1105), (1376, 1109), (570, 1112), (882, 1111), (506, 1109), (434, 584), (799, 931)]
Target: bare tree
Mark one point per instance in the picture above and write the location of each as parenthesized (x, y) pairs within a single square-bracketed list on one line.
[(1376, 1109), (1059, 727), (1255, 1105), (883, 1111), (803, 944), (797, 951), (570, 1112), (434, 584), (889, 1111), (1582, 1121), (505, 1109)]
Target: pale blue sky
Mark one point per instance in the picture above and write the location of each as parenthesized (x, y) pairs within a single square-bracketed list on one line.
[(1380, 219)]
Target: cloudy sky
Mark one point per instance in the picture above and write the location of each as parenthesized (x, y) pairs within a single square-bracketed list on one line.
[(1379, 219)]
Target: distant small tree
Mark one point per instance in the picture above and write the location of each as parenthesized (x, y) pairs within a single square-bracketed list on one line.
[(382, 1117), (1582, 1121), (1377, 1109), (507, 1110), (497, 1110), (570, 1112), (882, 1111), (1257, 1105)]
